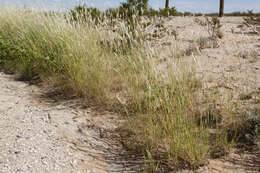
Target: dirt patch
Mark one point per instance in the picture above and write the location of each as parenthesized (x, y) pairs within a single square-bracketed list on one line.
[(49, 137), (233, 64)]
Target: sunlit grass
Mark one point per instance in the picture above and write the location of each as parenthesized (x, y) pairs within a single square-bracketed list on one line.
[(116, 70)]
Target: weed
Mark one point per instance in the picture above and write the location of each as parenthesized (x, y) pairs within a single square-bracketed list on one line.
[(212, 25), (207, 42), (168, 12), (252, 21)]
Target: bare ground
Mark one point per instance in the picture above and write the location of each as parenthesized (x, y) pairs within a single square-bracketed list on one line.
[(38, 135), (232, 64)]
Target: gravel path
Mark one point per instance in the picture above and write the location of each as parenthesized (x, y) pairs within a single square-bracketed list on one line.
[(45, 138)]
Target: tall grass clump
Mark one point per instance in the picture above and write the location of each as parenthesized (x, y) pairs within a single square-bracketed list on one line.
[(165, 125), (43, 47), (111, 68)]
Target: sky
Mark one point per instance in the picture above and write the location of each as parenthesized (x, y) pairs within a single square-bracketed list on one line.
[(203, 6)]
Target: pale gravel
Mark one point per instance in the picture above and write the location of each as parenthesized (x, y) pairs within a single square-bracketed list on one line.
[(44, 138), (32, 137)]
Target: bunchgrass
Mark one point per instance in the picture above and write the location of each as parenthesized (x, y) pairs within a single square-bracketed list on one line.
[(117, 70)]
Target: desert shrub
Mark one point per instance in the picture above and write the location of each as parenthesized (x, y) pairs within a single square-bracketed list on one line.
[(162, 12), (82, 13), (168, 12), (152, 12), (238, 13), (207, 42), (130, 14), (128, 11), (188, 14), (252, 21), (139, 6), (18, 58), (212, 25)]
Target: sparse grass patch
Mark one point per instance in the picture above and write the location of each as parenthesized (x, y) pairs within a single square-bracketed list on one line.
[(212, 26), (207, 42), (248, 54), (252, 21)]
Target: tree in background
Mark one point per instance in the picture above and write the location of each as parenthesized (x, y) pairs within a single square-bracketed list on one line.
[(221, 8), (167, 11), (167, 4)]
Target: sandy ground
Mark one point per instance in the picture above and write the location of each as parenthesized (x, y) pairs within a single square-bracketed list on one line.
[(35, 138), (230, 66), (39, 135)]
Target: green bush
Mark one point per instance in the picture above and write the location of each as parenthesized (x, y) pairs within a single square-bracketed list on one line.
[(152, 12), (137, 6), (168, 12), (252, 21), (82, 14), (11, 59)]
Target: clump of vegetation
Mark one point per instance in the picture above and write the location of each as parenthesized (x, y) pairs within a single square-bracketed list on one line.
[(245, 13), (165, 124), (212, 25), (252, 21), (139, 6), (82, 14), (238, 13), (168, 12), (165, 12), (207, 42)]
